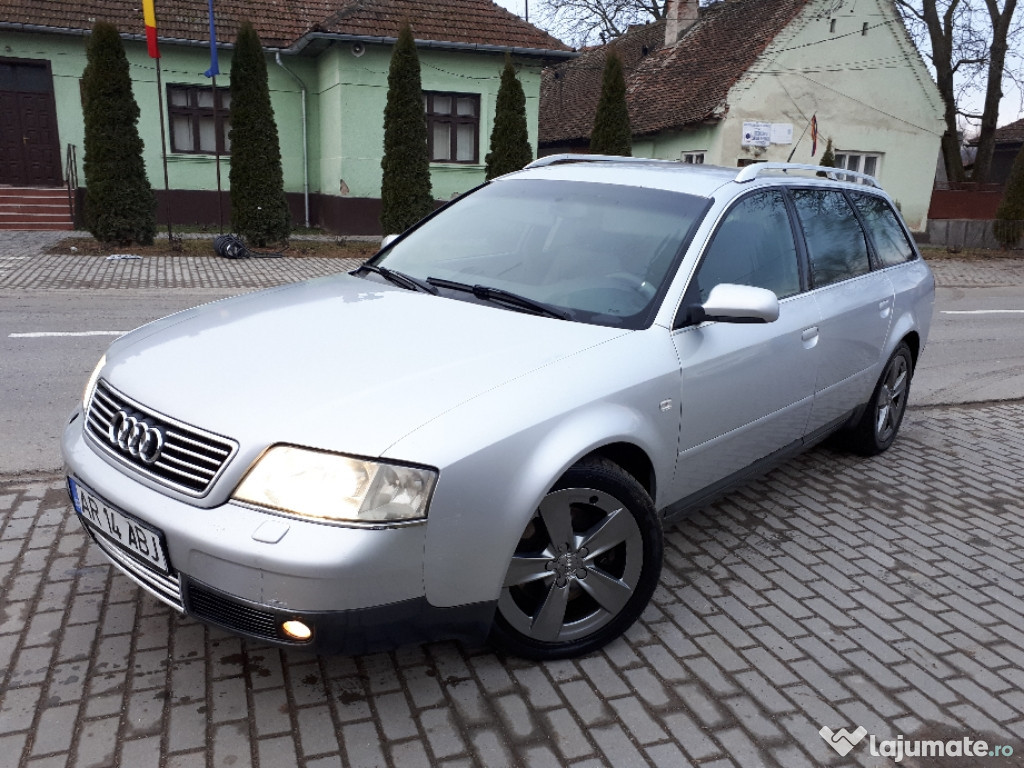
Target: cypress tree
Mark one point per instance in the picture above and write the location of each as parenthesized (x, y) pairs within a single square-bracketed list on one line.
[(405, 183), (1008, 226), (828, 159), (611, 134), (510, 140), (259, 208), (119, 203)]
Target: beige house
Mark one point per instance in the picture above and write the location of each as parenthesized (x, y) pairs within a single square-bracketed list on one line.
[(740, 81)]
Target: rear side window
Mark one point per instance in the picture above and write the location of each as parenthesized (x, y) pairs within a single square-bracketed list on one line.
[(836, 247), (753, 246), (884, 229)]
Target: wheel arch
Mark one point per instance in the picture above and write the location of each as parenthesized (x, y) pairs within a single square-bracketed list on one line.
[(632, 459), (913, 340)]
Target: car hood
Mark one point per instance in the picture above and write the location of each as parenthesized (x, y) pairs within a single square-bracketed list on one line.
[(340, 363)]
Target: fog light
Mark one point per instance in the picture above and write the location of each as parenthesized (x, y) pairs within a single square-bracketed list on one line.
[(296, 630)]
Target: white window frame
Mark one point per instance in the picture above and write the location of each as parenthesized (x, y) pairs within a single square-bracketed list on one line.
[(857, 161), (693, 157)]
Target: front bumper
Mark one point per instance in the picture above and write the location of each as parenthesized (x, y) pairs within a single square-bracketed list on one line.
[(358, 588)]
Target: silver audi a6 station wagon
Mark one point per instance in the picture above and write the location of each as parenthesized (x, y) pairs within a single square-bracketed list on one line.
[(482, 431)]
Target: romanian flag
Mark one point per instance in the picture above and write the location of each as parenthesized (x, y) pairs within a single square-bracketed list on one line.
[(149, 14), (814, 135)]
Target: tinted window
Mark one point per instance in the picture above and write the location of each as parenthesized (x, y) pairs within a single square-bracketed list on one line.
[(884, 229), (835, 242), (753, 246)]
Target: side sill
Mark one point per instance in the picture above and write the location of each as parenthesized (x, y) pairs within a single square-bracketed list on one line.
[(705, 496)]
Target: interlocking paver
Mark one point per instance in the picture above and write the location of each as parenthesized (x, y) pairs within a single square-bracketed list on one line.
[(835, 591)]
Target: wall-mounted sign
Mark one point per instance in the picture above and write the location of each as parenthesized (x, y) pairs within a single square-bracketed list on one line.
[(782, 133), (756, 134)]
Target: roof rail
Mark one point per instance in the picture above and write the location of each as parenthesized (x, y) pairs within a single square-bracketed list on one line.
[(752, 171), (540, 162)]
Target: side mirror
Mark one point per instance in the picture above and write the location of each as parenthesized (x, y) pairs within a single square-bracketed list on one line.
[(388, 240), (729, 303)]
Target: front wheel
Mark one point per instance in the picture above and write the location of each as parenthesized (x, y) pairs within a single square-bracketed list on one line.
[(881, 420), (584, 568)]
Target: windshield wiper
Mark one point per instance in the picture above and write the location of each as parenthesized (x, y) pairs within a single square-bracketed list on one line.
[(400, 279), (500, 296)]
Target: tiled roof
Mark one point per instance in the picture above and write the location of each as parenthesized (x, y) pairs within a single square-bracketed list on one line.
[(1011, 133), (476, 22), (278, 22), (668, 87), (281, 23)]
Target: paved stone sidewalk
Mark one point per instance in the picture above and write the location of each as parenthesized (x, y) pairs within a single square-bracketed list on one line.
[(23, 264), (838, 591)]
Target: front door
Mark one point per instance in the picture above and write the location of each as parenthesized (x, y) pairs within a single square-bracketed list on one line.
[(747, 389), (29, 145)]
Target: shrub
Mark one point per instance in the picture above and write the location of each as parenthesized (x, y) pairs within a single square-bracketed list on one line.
[(259, 208), (405, 183), (119, 203), (1008, 226)]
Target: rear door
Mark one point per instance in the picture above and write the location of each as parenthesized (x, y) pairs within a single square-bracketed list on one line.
[(855, 303)]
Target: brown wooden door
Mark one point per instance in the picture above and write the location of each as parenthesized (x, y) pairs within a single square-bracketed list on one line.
[(29, 143)]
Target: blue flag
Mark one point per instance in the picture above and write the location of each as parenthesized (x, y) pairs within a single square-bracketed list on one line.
[(214, 69)]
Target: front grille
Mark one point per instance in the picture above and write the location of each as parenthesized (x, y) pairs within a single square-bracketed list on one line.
[(166, 587), (212, 606), (190, 460)]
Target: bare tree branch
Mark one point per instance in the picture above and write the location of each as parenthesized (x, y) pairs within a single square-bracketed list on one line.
[(974, 47)]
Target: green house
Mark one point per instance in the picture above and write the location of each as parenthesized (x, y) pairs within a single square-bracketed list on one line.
[(741, 81), (328, 63)]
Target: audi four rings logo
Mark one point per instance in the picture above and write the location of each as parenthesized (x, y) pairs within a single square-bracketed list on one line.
[(136, 435)]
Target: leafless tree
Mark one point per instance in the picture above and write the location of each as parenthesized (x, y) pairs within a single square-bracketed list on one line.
[(975, 49), (588, 22)]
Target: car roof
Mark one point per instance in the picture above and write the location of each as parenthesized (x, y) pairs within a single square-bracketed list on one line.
[(676, 176)]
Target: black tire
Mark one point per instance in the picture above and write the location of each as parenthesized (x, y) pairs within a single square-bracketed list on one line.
[(591, 597), (878, 425)]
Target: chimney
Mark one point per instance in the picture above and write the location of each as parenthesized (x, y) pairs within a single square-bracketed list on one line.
[(680, 15)]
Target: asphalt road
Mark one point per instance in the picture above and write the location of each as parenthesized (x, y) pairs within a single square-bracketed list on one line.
[(976, 353), (976, 350), (41, 376)]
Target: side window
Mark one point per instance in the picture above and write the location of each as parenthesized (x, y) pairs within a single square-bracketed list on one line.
[(753, 246), (836, 246), (884, 229)]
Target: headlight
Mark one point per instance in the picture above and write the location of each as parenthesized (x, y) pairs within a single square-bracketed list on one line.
[(90, 385), (328, 486)]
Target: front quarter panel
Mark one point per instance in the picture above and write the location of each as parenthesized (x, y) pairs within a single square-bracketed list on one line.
[(500, 453)]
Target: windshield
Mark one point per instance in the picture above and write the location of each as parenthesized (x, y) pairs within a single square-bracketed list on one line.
[(596, 253)]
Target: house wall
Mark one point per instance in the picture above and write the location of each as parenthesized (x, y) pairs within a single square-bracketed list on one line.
[(353, 93), (345, 102), (179, 65), (871, 93)]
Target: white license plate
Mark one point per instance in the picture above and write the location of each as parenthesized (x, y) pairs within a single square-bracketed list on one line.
[(141, 540)]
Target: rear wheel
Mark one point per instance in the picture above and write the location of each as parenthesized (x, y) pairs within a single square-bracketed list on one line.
[(881, 420), (584, 568)]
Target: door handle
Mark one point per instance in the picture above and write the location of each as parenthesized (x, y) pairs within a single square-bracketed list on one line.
[(809, 333)]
